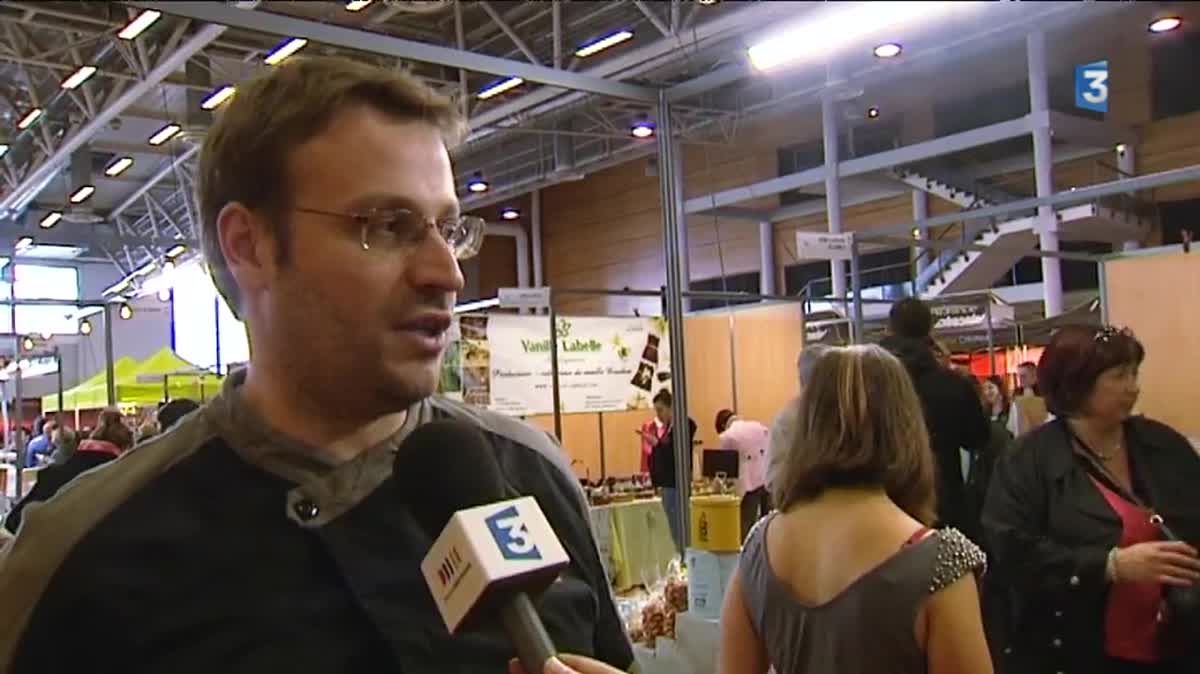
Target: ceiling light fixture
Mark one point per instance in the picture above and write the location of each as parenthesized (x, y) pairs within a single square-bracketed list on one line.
[(168, 266), (118, 166), (116, 287), (81, 195), (3, 149), (642, 128), (177, 250), (27, 344), (873, 112), (841, 25), (888, 50), (284, 49), (29, 118), (477, 184), (216, 98), (79, 77), (164, 134), (85, 327), (23, 243), (50, 220), (510, 214), (164, 294), (140, 24), (603, 43), (1165, 24), (125, 312), (498, 87), (357, 5)]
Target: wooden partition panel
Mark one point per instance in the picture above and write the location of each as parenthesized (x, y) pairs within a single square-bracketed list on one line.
[(1155, 295), (709, 371), (580, 441), (622, 448), (767, 341)]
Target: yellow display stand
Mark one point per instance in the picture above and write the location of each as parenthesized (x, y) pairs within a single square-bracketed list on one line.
[(717, 523)]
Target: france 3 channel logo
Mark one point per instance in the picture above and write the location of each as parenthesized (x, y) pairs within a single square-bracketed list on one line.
[(1091, 86), (511, 535)]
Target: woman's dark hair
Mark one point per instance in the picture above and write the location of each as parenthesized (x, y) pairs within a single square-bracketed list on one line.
[(171, 412), (910, 317), (1076, 357), (998, 381), (664, 398), (723, 418), (111, 428)]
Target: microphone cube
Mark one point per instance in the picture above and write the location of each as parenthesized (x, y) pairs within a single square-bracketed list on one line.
[(486, 554)]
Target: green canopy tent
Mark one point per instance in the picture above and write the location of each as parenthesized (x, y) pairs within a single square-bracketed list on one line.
[(167, 376), (91, 393)]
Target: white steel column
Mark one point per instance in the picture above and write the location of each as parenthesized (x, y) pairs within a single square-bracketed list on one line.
[(1043, 165), (535, 233), (1127, 165), (685, 266), (766, 257), (833, 197), (920, 210)]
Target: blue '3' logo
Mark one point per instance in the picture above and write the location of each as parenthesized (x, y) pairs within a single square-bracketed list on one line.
[(511, 535)]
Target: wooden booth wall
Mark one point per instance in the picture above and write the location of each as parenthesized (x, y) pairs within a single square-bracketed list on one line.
[(1155, 295), (750, 350)]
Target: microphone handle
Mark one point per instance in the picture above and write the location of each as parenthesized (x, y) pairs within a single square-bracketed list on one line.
[(527, 633)]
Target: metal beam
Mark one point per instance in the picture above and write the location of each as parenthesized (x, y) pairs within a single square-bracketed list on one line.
[(37, 179), (652, 18), (1090, 132), (349, 38), (165, 170), (507, 30), (85, 236), (851, 167)]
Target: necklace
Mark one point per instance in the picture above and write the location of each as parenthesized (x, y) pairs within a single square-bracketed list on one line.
[(1094, 448)]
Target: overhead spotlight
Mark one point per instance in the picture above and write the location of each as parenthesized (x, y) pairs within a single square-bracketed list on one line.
[(47, 335), (27, 343), (641, 128), (85, 327), (603, 43), (83, 193), (139, 24), (916, 233), (873, 112), (510, 214), (357, 5), (284, 49), (477, 184), (1121, 148), (1165, 24), (125, 312), (29, 118), (217, 97), (50, 220), (164, 134), (118, 166), (176, 250), (498, 87), (888, 50), (78, 77), (164, 295), (708, 2)]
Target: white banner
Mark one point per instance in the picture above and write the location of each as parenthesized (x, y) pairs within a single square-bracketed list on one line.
[(605, 364)]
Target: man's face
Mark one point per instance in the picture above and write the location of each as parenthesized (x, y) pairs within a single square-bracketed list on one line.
[(663, 412), (1027, 377), (370, 325)]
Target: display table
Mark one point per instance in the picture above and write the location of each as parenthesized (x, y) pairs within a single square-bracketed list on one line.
[(634, 540)]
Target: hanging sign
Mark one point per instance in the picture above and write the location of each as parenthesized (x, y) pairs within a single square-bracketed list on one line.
[(524, 298), (822, 246)]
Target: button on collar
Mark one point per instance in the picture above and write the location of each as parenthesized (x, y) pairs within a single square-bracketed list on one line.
[(306, 510)]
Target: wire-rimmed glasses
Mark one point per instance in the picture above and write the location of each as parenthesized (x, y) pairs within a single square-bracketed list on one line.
[(393, 229)]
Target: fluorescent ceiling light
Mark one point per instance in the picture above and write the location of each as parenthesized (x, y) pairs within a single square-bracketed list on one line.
[(177, 250), (118, 167), (50, 220), (840, 25), (81, 195), (23, 243), (510, 214), (603, 43), (357, 5), (146, 268), (498, 87), (3, 149), (116, 287), (1165, 24), (29, 118), (284, 50), (218, 97), (51, 251), (79, 77), (888, 50), (140, 24), (164, 134)]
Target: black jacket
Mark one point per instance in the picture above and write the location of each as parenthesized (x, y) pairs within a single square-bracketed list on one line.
[(53, 477), (955, 418), (1050, 531), (662, 457)]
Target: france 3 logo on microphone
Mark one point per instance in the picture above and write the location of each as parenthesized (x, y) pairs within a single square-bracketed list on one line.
[(1091, 86), (511, 535)]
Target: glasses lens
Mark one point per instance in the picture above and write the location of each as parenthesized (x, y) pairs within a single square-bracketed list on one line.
[(464, 234)]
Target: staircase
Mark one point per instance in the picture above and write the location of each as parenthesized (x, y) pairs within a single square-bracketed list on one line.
[(1107, 220)]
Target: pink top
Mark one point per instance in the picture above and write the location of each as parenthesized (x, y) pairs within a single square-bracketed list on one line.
[(658, 430), (749, 438)]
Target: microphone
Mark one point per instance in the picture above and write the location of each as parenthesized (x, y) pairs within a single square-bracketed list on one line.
[(490, 551)]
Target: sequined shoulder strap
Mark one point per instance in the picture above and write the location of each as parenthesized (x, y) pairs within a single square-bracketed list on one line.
[(956, 557)]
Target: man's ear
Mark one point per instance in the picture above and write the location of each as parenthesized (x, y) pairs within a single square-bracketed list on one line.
[(247, 246)]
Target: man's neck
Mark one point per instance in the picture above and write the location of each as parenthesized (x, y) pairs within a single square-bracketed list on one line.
[(338, 435)]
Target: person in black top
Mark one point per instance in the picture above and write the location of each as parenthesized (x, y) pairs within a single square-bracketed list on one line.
[(1085, 565), (662, 463), (953, 412)]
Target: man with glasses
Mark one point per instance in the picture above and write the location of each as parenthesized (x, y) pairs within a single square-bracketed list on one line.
[(264, 533)]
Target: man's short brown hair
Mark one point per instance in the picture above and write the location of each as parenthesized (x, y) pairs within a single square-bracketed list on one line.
[(860, 425), (245, 154)]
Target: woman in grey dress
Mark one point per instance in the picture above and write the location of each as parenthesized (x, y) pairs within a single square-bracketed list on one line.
[(846, 578)]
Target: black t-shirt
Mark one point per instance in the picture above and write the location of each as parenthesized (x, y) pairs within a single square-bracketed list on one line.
[(662, 457)]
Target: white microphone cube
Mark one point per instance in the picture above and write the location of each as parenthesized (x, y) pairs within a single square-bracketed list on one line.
[(488, 550)]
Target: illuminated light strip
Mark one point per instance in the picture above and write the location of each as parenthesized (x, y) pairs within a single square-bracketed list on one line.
[(29, 118), (603, 43), (498, 87), (164, 134), (284, 50), (118, 167), (140, 24), (216, 98), (79, 77)]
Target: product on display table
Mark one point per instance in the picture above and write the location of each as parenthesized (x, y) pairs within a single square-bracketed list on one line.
[(668, 638), (717, 523), (708, 574)]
